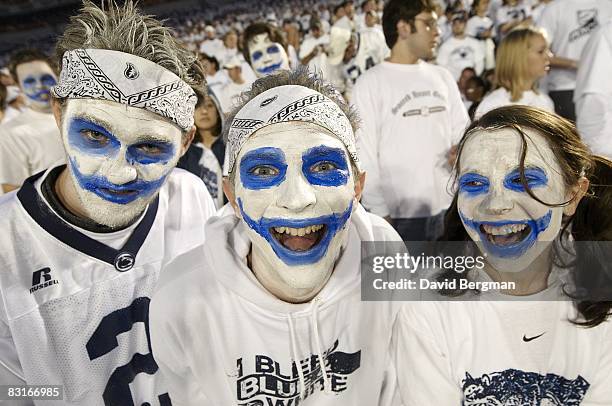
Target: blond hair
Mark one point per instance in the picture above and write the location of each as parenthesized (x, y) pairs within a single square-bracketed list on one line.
[(512, 66)]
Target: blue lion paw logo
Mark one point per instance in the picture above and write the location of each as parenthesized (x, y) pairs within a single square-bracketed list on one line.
[(513, 387)]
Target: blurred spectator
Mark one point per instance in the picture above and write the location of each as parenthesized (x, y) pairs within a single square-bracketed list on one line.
[(215, 78), (568, 24), (236, 85), (523, 57), (264, 49), (512, 14), (475, 90), (480, 26), (30, 142), (5, 77), (412, 117), (15, 104), (594, 92), (211, 44), (461, 51), (205, 155), (312, 51), (466, 74)]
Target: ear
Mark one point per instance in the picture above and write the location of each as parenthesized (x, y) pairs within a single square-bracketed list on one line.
[(228, 189), (186, 139), (577, 192), (57, 112), (403, 29), (359, 185)]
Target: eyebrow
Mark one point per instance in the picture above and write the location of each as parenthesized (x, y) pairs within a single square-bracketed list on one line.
[(141, 138)]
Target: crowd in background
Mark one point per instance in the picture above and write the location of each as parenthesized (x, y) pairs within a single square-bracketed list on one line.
[(497, 52)]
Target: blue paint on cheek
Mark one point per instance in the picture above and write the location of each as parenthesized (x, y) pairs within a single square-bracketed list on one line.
[(516, 250), (333, 223), (92, 139), (263, 168), (535, 178), (150, 153), (37, 88), (325, 166), (120, 194), (473, 184)]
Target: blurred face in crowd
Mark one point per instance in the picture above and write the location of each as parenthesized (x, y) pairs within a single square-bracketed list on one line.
[(483, 7), (466, 74), (474, 91), (349, 9), (425, 40), (206, 115), (36, 79), (538, 57), (295, 189), (231, 40), (118, 157), (371, 19), (508, 225), (370, 5), (266, 56), (458, 27), (235, 74)]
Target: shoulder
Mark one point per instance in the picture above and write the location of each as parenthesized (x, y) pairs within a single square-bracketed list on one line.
[(372, 227)]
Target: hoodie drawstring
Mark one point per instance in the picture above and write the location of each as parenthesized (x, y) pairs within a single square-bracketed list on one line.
[(315, 326), (296, 358)]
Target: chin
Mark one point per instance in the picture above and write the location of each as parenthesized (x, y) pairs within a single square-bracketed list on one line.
[(111, 214)]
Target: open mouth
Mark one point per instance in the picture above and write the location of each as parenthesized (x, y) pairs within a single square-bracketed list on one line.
[(299, 239), (506, 235)]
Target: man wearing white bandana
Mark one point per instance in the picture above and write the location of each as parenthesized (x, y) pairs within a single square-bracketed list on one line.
[(268, 311), (84, 243)]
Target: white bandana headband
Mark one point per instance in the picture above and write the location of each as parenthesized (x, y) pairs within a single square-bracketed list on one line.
[(128, 79), (288, 103)]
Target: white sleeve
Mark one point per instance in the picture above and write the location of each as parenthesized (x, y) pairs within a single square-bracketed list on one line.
[(458, 113), (14, 164), (168, 339), (594, 122), (368, 137), (600, 390), (423, 366), (547, 22)]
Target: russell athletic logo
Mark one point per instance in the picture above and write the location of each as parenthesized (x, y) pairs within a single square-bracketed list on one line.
[(42, 279)]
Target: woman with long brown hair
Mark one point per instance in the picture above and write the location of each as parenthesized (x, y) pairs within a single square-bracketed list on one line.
[(538, 208)]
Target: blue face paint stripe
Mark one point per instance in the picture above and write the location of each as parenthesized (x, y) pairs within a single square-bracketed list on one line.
[(535, 178), (334, 223), (269, 69), (270, 157), (135, 153), (473, 184), (107, 190), (77, 139), (318, 155), (537, 226)]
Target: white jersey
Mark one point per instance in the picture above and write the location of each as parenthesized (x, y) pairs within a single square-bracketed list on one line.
[(74, 310), (456, 54), (501, 97), (411, 116), (29, 143), (594, 91), (495, 352), (569, 24), (220, 338)]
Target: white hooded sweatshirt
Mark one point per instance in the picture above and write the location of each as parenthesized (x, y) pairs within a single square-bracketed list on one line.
[(220, 338)]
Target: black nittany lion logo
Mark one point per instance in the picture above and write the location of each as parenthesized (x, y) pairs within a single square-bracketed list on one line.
[(124, 262), (268, 101), (130, 71)]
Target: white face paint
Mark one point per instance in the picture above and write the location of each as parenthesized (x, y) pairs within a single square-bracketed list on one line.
[(267, 56), (36, 79), (119, 157), (508, 225), (295, 190)]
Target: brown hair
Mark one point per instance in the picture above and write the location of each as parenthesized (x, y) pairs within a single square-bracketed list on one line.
[(592, 220), (402, 10), (25, 56), (511, 61)]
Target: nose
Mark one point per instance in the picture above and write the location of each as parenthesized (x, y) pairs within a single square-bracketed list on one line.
[(498, 201), (120, 171), (296, 194)]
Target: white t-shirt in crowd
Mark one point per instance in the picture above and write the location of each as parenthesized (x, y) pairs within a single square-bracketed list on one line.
[(220, 338), (568, 24), (594, 92), (492, 351), (229, 92), (501, 97), (29, 143), (476, 25), (211, 47), (318, 63), (456, 54), (411, 116)]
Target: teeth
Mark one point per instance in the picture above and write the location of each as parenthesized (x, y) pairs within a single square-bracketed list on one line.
[(503, 230), (298, 231)]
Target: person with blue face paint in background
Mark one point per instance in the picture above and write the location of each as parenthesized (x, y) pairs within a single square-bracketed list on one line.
[(30, 142), (84, 243), (264, 49), (277, 281), (537, 205)]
